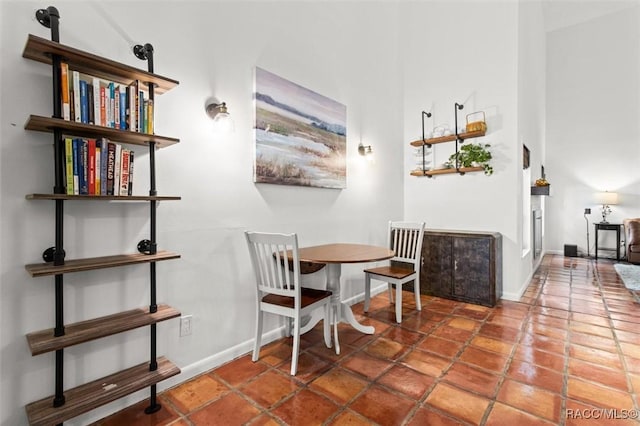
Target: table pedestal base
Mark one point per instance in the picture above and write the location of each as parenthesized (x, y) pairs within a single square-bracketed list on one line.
[(340, 310)]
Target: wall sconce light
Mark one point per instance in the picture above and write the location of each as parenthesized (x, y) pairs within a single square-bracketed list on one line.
[(219, 113), (366, 152), (606, 199)]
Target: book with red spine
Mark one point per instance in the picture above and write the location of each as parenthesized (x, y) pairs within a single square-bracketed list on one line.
[(116, 108), (91, 166)]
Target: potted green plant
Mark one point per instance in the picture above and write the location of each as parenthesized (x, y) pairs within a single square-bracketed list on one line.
[(473, 155)]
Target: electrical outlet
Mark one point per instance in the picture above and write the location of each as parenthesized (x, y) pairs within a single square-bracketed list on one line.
[(185, 325), (587, 211)]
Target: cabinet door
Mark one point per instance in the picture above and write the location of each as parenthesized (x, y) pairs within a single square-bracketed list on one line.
[(437, 266), (472, 269)]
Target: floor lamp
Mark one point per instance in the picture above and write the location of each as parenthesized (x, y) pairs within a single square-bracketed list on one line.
[(586, 212)]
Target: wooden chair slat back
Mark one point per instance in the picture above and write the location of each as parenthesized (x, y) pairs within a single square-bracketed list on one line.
[(405, 239), (269, 257)]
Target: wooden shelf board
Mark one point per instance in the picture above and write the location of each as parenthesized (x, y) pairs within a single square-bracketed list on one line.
[(71, 128), (87, 264), (44, 341), (450, 138), (95, 394), (446, 171), (40, 49), (100, 197)]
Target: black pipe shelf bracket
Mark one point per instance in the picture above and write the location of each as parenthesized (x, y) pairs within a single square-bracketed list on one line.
[(50, 18), (457, 108), (424, 140), (150, 246)]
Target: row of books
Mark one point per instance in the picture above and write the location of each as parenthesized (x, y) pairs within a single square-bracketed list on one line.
[(97, 167), (91, 100)]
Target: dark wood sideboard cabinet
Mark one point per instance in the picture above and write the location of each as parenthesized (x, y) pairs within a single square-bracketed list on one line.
[(462, 265)]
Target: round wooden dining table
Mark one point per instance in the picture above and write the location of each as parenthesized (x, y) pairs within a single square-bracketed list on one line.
[(334, 255)]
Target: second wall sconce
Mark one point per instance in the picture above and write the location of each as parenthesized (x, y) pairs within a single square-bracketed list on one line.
[(219, 113), (365, 151)]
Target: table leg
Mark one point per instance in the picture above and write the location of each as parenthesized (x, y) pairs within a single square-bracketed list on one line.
[(309, 322), (343, 310)]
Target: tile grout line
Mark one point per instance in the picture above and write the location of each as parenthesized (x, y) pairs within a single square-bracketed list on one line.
[(630, 389)]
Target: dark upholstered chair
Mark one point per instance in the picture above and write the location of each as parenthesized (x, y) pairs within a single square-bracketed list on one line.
[(632, 239)]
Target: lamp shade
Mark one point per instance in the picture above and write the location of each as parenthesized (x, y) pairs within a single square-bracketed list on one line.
[(607, 198)]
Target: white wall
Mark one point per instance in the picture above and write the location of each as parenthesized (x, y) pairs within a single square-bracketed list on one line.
[(531, 122), (466, 54), (593, 133), (211, 48)]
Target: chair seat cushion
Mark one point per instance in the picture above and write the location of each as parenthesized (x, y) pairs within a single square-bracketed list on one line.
[(391, 271), (309, 297)]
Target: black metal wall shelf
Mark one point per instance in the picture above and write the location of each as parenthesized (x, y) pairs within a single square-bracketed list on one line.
[(457, 137)]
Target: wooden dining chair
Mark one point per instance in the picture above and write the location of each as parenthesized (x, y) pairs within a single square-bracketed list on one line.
[(405, 239), (279, 292)]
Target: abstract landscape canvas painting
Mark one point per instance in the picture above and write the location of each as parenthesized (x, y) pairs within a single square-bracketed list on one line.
[(300, 135)]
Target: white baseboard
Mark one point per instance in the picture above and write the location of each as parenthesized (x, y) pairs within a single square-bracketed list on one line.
[(216, 360), (187, 372)]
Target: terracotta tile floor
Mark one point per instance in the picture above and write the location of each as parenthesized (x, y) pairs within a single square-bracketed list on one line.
[(569, 347)]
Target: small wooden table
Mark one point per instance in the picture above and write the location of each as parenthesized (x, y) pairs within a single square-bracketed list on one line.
[(617, 227), (334, 255)]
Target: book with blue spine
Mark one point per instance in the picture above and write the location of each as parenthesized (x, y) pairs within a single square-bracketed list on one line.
[(123, 107), (76, 165), (84, 102), (112, 106)]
